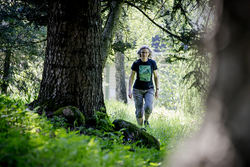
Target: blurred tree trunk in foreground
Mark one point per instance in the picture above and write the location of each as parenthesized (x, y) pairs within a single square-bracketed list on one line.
[(224, 139)]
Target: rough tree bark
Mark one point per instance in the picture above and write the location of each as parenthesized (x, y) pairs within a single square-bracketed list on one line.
[(72, 72), (120, 90), (224, 139), (6, 71)]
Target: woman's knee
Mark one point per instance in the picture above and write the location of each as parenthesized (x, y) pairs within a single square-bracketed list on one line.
[(139, 114), (148, 109)]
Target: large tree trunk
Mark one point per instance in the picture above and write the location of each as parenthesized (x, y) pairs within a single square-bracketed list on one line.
[(224, 139), (6, 71), (120, 90), (73, 65)]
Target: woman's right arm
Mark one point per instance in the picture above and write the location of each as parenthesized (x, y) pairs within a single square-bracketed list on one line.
[(131, 80)]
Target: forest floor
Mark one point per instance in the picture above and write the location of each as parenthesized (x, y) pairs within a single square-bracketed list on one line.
[(27, 139)]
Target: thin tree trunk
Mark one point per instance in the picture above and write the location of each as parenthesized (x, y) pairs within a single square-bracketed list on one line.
[(6, 71), (73, 65), (121, 93), (224, 139), (110, 27)]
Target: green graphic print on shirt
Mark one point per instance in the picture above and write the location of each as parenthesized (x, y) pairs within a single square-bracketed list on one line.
[(145, 73)]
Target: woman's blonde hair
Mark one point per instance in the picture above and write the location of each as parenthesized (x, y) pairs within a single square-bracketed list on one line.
[(145, 47)]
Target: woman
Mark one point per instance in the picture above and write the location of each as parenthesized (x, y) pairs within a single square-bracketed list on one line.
[(143, 87)]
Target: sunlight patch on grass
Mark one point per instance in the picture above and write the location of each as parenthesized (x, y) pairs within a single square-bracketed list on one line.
[(168, 126)]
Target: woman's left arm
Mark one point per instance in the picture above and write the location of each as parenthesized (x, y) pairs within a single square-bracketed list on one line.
[(156, 83)]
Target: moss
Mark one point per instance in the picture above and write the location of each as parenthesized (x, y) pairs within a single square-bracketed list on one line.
[(72, 114), (103, 122), (133, 134)]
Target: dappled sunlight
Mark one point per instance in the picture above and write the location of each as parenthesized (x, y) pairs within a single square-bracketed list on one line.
[(168, 126), (34, 141), (45, 139)]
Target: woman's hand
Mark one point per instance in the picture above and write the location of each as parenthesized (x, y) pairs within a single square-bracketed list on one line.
[(131, 80), (130, 94), (156, 94)]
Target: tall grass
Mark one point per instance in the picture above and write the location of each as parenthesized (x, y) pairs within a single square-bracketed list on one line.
[(27, 139), (168, 126)]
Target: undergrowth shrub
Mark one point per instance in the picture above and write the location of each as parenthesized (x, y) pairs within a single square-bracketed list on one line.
[(28, 139)]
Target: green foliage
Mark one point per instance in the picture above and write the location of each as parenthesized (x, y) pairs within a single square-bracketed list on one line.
[(103, 122), (187, 19), (121, 46), (73, 116), (26, 44), (174, 58), (27, 139), (182, 67), (166, 125), (180, 85), (35, 141), (59, 121)]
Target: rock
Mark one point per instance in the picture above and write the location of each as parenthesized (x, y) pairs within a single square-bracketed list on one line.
[(133, 134), (72, 114)]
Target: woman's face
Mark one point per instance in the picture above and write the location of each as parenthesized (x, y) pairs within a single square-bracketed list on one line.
[(144, 55)]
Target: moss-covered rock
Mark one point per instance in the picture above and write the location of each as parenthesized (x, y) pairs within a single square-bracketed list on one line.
[(133, 134), (103, 122), (72, 114)]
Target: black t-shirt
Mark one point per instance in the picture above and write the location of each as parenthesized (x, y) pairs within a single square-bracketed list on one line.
[(144, 71)]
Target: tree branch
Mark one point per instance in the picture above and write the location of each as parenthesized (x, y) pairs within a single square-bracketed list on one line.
[(162, 28)]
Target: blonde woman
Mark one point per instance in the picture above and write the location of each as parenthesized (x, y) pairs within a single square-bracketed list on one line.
[(143, 88)]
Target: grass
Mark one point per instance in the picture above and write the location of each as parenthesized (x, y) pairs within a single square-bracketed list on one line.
[(27, 139), (168, 126)]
